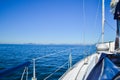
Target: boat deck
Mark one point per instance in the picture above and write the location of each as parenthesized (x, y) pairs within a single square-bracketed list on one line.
[(81, 69)]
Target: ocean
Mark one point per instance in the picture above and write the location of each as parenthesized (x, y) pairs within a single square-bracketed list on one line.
[(12, 55)]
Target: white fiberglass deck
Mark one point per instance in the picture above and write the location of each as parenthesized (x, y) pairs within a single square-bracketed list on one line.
[(80, 70)]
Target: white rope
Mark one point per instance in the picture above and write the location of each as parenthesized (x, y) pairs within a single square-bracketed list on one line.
[(55, 71)]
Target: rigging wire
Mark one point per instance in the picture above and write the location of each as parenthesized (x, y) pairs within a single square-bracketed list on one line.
[(96, 20), (84, 20), (99, 38), (96, 17), (110, 26), (54, 53), (84, 16), (50, 54), (55, 71)]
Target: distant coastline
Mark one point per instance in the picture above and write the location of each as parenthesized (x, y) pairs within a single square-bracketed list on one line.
[(43, 44)]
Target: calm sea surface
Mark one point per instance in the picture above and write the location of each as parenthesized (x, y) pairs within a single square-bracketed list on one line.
[(14, 54)]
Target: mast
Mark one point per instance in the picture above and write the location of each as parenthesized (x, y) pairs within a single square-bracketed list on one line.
[(103, 47), (103, 19)]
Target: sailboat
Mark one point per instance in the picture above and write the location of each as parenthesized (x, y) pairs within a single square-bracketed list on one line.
[(104, 64)]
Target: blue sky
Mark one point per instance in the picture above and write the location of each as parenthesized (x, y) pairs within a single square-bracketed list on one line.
[(53, 21)]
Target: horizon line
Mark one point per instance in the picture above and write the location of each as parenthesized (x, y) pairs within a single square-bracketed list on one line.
[(53, 43)]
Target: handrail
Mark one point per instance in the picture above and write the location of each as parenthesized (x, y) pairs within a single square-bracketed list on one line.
[(54, 53), (25, 70), (35, 59), (23, 74), (34, 72), (69, 61)]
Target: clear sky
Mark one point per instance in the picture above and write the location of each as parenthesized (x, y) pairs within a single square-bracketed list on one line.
[(53, 21)]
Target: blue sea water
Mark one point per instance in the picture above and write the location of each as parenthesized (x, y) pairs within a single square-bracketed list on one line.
[(14, 54)]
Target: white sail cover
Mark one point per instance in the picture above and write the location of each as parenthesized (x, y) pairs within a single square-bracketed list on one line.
[(113, 5)]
